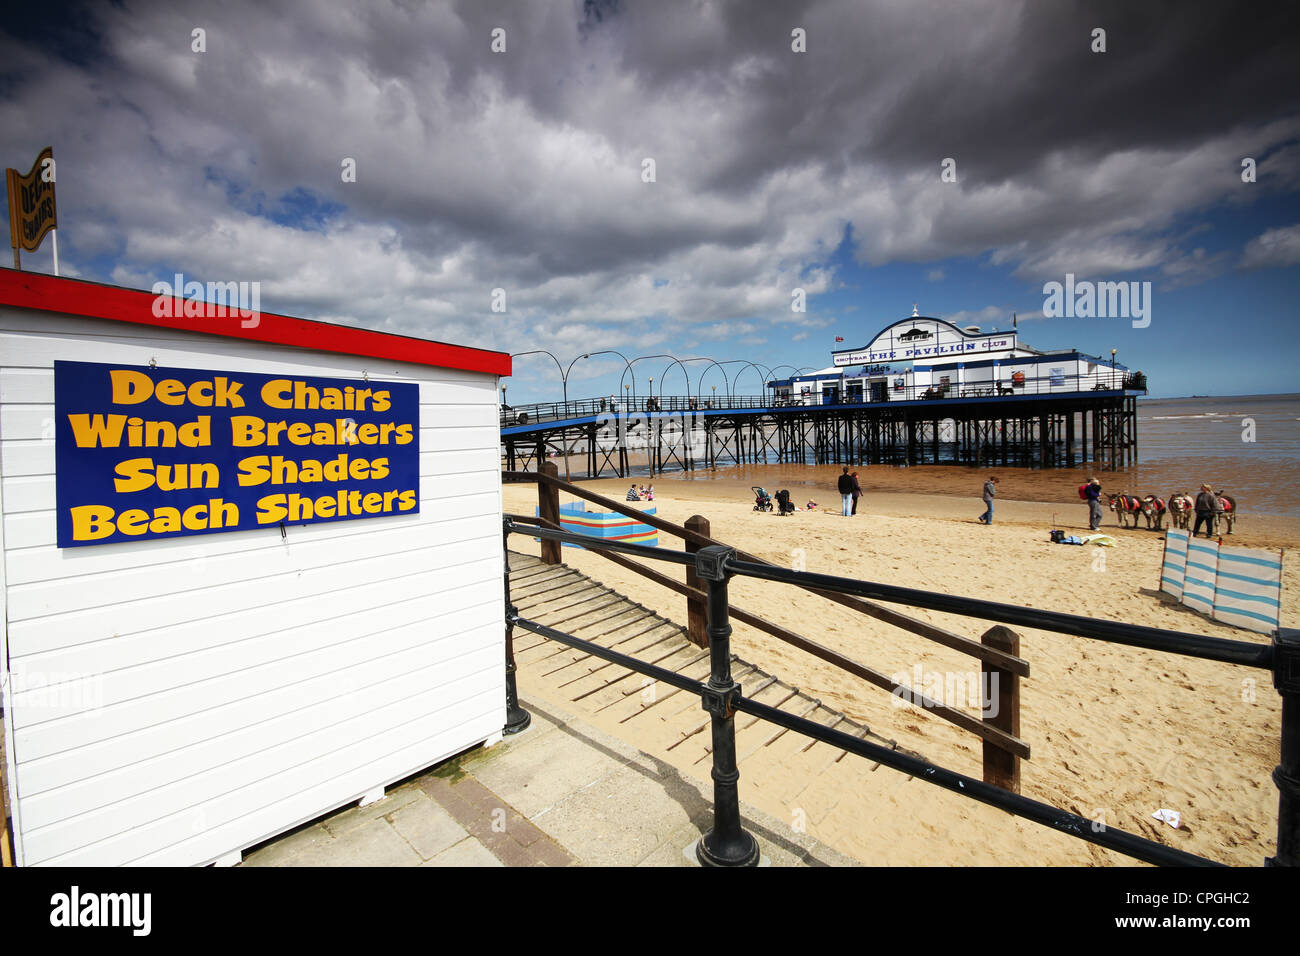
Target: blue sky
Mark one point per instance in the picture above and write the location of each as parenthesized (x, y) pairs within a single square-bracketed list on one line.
[(520, 174)]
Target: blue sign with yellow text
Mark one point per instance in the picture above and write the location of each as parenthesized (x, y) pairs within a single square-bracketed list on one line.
[(145, 452)]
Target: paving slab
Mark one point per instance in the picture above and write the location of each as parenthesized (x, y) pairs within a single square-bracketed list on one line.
[(669, 852), (375, 843), (428, 831), (544, 766), (468, 852), (281, 851), (341, 821)]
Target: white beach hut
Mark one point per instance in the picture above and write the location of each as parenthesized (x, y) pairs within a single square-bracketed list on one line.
[(252, 569)]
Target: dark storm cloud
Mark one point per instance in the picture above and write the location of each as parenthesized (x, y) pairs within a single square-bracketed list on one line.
[(522, 170)]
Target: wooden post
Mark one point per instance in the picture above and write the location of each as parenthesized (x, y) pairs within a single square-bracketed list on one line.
[(697, 611), (548, 508), (1001, 768)]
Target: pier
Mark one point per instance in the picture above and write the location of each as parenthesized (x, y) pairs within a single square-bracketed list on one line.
[(922, 391), (1097, 427)]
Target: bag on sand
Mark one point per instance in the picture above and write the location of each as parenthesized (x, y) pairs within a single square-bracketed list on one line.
[(1083, 491)]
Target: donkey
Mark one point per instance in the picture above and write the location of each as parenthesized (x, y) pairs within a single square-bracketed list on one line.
[(1180, 509), (1153, 509), (1125, 506)]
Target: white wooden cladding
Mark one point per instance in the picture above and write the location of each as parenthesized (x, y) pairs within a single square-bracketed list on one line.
[(172, 701)]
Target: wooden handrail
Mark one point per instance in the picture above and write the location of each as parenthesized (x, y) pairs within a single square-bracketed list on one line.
[(987, 732), (1008, 662), (997, 737)]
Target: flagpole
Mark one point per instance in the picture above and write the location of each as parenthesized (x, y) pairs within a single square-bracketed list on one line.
[(11, 194)]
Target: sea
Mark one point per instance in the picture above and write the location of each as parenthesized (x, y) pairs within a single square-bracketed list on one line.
[(1246, 445)]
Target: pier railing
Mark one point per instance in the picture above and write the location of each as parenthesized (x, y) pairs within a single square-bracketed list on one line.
[(713, 565), (539, 412), (1117, 382)]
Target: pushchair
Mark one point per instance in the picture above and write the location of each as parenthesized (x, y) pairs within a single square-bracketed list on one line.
[(784, 503), (762, 500)]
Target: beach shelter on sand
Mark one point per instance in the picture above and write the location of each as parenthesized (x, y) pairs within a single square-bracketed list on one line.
[(1238, 586), (252, 569)]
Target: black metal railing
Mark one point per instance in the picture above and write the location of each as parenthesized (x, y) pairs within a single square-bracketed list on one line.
[(728, 844)]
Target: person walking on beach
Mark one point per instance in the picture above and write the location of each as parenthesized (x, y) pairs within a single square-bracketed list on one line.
[(1208, 508), (845, 486), (990, 492), (857, 493), (1092, 493)]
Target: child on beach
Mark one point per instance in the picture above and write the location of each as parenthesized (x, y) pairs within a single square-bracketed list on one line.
[(650, 493)]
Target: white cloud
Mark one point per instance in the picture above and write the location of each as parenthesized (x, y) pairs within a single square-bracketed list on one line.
[(1276, 248)]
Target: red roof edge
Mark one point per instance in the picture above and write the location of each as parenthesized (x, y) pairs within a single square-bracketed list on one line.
[(35, 290)]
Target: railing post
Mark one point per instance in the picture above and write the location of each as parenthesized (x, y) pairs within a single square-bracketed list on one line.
[(1286, 678), (1001, 709), (697, 611), (517, 718), (727, 843), (548, 509)]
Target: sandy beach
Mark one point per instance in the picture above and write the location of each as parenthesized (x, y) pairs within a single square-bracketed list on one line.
[(1116, 732)]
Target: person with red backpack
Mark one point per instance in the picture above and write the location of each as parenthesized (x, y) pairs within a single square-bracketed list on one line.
[(1090, 491)]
